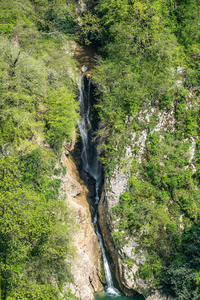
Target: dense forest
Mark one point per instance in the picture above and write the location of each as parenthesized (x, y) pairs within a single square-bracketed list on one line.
[(151, 69), (38, 113), (150, 65)]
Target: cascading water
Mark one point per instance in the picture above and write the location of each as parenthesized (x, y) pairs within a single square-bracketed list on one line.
[(89, 158), (92, 166)]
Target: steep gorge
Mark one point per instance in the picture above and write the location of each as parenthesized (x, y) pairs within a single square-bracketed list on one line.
[(160, 123), (87, 266), (148, 139), (91, 167)]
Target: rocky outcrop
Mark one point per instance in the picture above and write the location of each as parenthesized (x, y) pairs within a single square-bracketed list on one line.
[(158, 296), (126, 261), (124, 275), (86, 267)]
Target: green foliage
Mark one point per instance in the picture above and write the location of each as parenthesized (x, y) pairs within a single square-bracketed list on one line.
[(51, 15), (89, 29), (34, 291), (151, 59), (186, 114), (182, 276), (141, 53), (37, 101), (150, 210), (114, 11), (197, 154), (61, 116), (129, 262), (146, 271), (29, 72), (21, 78), (35, 229), (144, 45)]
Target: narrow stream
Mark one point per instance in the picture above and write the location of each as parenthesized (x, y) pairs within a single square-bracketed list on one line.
[(92, 166)]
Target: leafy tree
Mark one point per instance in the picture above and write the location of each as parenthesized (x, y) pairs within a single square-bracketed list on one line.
[(35, 231), (35, 225), (61, 116), (182, 276)]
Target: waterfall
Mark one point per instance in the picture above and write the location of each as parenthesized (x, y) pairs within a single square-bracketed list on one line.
[(92, 166), (89, 154)]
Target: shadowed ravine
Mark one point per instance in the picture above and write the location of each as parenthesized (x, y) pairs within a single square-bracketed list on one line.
[(92, 166)]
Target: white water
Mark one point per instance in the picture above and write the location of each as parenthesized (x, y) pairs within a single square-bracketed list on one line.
[(92, 166), (90, 162)]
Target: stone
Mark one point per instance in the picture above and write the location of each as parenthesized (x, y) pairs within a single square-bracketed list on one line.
[(83, 69), (125, 277), (86, 267), (68, 146), (112, 190), (124, 274), (158, 296)]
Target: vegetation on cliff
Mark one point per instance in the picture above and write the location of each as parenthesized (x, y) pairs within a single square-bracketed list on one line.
[(150, 68), (149, 106), (38, 112)]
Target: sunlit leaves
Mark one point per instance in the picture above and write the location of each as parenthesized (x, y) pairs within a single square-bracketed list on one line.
[(61, 116), (114, 11), (35, 227)]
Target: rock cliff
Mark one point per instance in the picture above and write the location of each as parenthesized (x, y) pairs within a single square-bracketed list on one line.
[(128, 283), (125, 277), (125, 273), (86, 267)]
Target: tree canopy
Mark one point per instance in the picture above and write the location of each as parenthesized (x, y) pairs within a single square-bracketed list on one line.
[(38, 113)]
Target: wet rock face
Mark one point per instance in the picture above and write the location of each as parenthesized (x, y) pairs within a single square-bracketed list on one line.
[(86, 267)]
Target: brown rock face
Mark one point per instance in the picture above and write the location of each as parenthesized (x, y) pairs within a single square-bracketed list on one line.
[(86, 267)]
